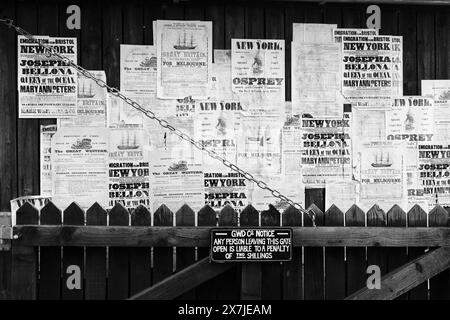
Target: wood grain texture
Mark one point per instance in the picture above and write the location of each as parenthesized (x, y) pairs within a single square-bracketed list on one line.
[(356, 257), (162, 257), (24, 259), (417, 217), (118, 259), (406, 277), (183, 281), (95, 288), (334, 260), (50, 258), (73, 215), (251, 274), (293, 270)]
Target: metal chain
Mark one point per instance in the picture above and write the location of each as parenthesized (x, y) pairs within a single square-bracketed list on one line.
[(50, 51)]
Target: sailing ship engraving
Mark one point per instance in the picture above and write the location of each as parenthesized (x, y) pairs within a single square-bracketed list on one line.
[(184, 44), (148, 63), (84, 92), (178, 166), (381, 162), (82, 144), (128, 144)]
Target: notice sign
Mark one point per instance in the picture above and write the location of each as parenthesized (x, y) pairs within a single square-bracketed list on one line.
[(231, 245)]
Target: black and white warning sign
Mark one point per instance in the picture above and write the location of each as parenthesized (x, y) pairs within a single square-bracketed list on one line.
[(231, 245)]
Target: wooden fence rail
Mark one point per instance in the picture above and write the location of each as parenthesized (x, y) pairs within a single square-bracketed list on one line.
[(119, 255)]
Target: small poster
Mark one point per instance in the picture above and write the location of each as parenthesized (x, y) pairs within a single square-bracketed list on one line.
[(46, 135)]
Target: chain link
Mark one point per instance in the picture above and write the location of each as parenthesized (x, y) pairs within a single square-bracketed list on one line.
[(50, 51)]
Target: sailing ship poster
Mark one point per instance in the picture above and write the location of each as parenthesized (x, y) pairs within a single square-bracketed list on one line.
[(138, 70), (91, 103), (184, 58), (382, 174)]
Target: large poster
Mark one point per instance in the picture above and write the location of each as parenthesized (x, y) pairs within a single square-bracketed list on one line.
[(368, 70), (221, 77), (129, 171), (316, 79), (326, 149), (91, 103), (258, 75), (138, 70), (47, 86), (46, 135), (184, 58), (80, 166)]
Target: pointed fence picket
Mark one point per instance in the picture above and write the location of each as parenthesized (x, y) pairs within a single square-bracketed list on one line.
[(118, 272)]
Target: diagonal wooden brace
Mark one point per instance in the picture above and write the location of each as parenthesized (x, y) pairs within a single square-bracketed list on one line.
[(183, 281), (407, 277)]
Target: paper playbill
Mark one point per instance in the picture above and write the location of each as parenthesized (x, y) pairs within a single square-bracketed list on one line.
[(316, 79), (138, 70), (258, 75), (91, 103), (129, 171), (369, 66), (80, 166), (47, 86), (184, 58), (46, 135), (382, 175), (439, 90)]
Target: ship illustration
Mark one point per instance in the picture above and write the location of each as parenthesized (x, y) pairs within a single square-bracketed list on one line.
[(82, 144), (85, 92), (178, 166), (128, 144), (148, 63), (185, 44), (186, 100), (444, 95), (381, 162)]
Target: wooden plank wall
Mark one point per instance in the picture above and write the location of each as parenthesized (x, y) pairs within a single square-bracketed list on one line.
[(105, 25)]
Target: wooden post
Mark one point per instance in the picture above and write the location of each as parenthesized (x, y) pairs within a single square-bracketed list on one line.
[(24, 259), (162, 257), (95, 288), (293, 270), (251, 271), (50, 258)]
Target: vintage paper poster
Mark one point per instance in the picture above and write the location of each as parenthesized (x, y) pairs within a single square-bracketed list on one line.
[(326, 149), (439, 90), (340, 32), (217, 124), (410, 119), (176, 179), (397, 66), (129, 171), (47, 86), (46, 135), (291, 186), (91, 103), (224, 187), (382, 175), (221, 77), (367, 70), (316, 79), (259, 147), (184, 57), (80, 166), (434, 173), (312, 32), (342, 193), (258, 75), (138, 70), (291, 145)]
